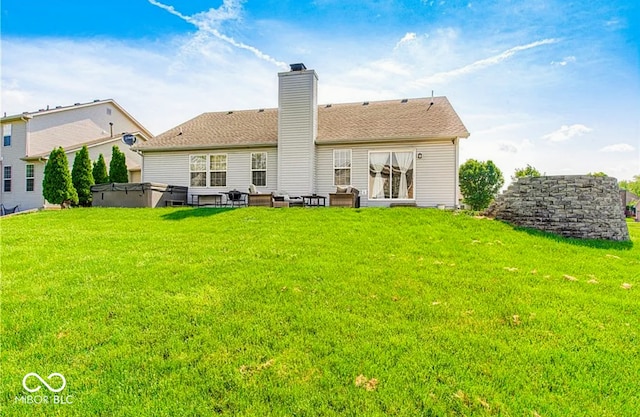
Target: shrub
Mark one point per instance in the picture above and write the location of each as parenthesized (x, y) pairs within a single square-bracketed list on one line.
[(118, 171), (82, 176), (479, 183), (100, 174), (57, 187)]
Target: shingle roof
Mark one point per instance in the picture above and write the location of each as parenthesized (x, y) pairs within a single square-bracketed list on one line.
[(337, 123)]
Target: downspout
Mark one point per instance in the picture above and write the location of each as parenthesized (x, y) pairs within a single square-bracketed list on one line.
[(456, 142)]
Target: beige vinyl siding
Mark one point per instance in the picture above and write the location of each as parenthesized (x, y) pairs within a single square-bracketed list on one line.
[(173, 168), (297, 128), (434, 178), (436, 175), (67, 128)]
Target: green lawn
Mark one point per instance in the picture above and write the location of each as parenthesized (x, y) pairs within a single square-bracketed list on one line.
[(253, 312)]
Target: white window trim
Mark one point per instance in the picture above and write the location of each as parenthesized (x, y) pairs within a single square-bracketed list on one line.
[(10, 179), (27, 178), (266, 168), (206, 177), (209, 170), (350, 168), (7, 131), (390, 151)]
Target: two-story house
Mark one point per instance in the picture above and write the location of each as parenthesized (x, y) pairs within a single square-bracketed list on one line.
[(29, 138)]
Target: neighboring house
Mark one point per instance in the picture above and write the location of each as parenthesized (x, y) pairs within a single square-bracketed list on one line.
[(396, 151), (630, 202), (29, 138)]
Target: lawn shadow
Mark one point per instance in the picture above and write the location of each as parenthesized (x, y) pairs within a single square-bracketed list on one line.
[(195, 212), (589, 243)]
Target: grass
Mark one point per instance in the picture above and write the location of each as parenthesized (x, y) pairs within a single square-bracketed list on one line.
[(331, 312)]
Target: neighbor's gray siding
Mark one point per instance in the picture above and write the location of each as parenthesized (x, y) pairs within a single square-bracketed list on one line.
[(435, 178), (11, 157), (173, 168), (297, 130), (76, 125)]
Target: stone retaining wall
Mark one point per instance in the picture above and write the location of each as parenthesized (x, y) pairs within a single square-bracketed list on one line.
[(581, 206)]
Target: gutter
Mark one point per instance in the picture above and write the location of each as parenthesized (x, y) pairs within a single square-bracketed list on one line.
[(203, 147)]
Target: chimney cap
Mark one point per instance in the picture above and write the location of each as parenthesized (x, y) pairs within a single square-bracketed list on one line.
[(298, 67)]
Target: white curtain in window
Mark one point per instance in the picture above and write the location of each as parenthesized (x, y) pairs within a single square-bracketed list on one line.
[(405, 162), (378, 161)]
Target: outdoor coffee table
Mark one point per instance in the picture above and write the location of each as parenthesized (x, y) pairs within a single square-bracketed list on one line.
[(314, 200)]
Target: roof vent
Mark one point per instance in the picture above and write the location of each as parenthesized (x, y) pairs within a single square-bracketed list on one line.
[(366, 103), (404, 100), (297, 67)]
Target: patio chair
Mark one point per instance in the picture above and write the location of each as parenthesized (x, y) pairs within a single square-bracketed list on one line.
[(345, 197), (5, 210), (257, 199)]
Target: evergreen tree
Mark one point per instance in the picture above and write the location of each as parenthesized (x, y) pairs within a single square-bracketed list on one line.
[(100, 174), (479, 183), (57, 187), (82, 176), (118, 167)]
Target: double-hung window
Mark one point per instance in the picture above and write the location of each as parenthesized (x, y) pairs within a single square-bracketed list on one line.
[(342, 167), (218, 170), (6, 179), (6, 135), (30, 176), (391, 175), (198, 170), (208, 170), (259, 169)]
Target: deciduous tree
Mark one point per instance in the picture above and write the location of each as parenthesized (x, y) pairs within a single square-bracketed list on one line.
[(527, 171), (479, 183)]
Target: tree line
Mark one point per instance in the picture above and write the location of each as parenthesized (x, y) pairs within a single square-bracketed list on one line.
[(61, 186)]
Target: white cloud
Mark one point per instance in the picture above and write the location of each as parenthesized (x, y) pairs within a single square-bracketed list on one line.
[(210, 21), (409, 37), (565, 61), (567, 132), (618, 147), (443, 77)]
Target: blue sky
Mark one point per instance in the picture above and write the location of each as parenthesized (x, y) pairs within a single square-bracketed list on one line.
[(550, 83)]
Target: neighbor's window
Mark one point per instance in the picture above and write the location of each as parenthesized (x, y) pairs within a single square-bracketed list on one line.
[(30, 175), (6, 135), (391, 175), (198, 170), (259, 169), (6, 177), (342, 167), (218, 170)]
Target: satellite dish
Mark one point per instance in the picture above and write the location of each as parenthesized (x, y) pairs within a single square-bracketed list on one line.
[(128, 139)]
